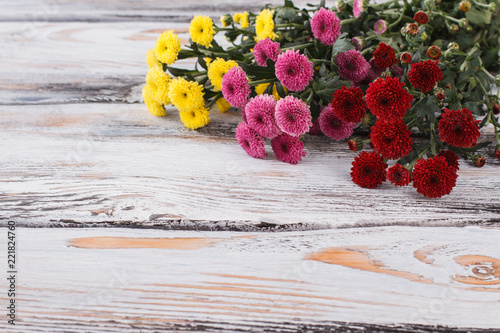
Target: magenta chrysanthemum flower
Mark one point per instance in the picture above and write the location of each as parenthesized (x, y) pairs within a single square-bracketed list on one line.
[(294, 70), (288, 148), (250, 141), (235, 87), (380, 26), (325, 26), (259, 113), (315, 129), (293, 116), (352, 65), (357, 8), (334, 127), (266, 49)]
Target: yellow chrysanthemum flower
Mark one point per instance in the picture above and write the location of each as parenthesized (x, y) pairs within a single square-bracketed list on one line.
[(186, 95), (217, 69), (264, 25), (151, 59), (260, 88), (201, 30), (154, 107), (160, 83), (195, 118), (167, 47), (242, 19), (222, 104)]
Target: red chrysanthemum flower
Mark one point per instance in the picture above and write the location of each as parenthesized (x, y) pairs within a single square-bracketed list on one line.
[(434, 52), (348, 104), (406, 58), (387, 99), (451, 158), (457, 128), (425, 74), (368, 169), (392, 140), (497, 151), (384, 56), (433, 177), (398, 175), (421, 17), (440, 95)]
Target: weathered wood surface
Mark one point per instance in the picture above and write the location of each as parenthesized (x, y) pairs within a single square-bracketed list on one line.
[(114, 164), (80, 150), (123, 280)]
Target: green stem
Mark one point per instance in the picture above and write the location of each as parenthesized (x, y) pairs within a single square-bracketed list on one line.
[(410, 166), (496, 135), (255, 83), (309, 98), (411, 123), (298, 47), (347, 21), (212, 102)]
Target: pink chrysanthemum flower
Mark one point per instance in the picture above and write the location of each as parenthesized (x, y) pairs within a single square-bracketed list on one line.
[(325, 26), (334, 127), (250, 141), (294, 70), (266, 49), (259, 113), (380, 26), (352, 65), (357, 8), (235, 87), (288, 148), (293, 116)]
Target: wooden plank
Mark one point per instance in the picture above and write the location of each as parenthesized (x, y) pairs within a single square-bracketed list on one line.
[(39, 12), (115, 164), (392, 279)]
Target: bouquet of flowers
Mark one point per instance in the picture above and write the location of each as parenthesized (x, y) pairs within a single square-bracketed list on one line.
[(414, 77)]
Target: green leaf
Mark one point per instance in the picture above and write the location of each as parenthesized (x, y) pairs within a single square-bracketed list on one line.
[(324, 88), (478, 16), (280, 89), (341, 45), (180, 72)]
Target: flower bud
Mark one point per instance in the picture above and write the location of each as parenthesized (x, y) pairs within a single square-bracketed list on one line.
[(421, 17), (406, 58), (497, 80), (380, 27), (355, 144), (453, 46), (453, 29), (478, 160), (424, 36), (434, 52), (496, 109), (412, 29), (368, 119), (463, 23), (341, 6), (226, 20), (465, 5), (460, 96), (497, 151), (493, 7), (440, 94), (359, 43)]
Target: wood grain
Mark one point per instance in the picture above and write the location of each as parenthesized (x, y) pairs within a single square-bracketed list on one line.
[(261, 282), (115, 164)]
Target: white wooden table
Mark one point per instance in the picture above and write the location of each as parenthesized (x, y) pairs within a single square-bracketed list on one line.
[(131, 223)]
